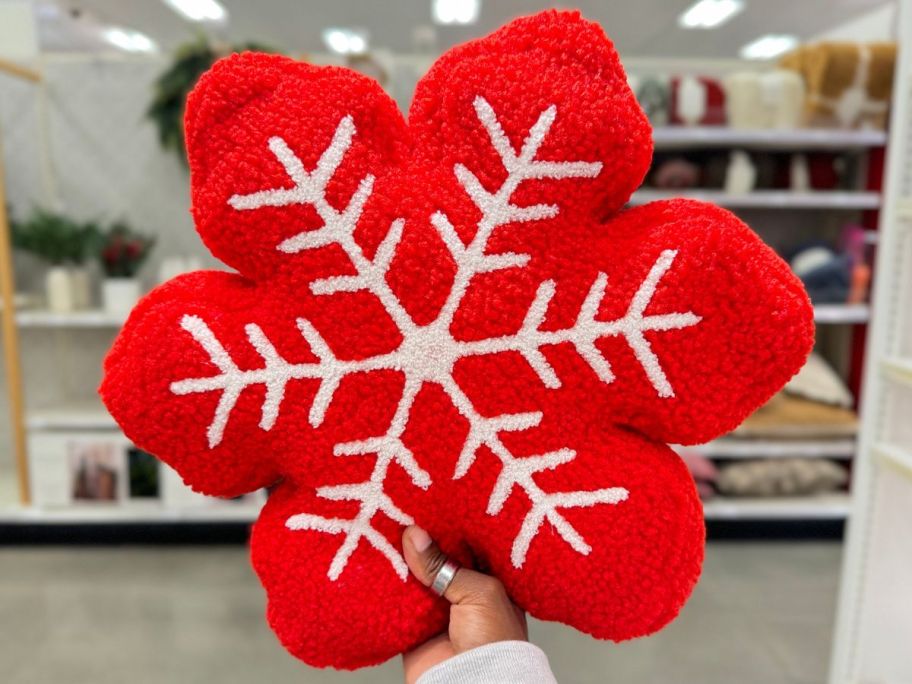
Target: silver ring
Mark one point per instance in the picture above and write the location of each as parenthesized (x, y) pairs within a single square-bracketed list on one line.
[(444, 577)]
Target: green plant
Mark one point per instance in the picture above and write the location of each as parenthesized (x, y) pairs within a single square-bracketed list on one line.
[(122, 252), (172, 87), (54, 237), (144, 474)]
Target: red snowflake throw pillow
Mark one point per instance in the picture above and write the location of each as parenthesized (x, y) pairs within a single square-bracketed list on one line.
[(452, 321)]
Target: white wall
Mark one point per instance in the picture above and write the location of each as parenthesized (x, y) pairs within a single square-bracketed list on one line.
[(80, 143), (878, 24)]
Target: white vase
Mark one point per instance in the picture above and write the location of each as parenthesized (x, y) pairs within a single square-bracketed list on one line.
[(744, 106), (119, 295), (58, 287), (81, 285), (800, 173), (741, 174), (691, 100)]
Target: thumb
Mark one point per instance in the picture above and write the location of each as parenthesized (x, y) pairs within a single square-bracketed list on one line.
[(425, 559)]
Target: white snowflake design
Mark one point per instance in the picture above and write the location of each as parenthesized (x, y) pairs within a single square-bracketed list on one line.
[(429, 353)]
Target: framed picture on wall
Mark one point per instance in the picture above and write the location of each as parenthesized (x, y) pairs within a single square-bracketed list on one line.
[(96, 471), (91, 467)]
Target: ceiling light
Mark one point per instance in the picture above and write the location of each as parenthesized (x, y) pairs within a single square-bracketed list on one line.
[(345, 41), (769, 46), (199, 10), (707, 14), (356, 44), (456, 11), (131, 41)]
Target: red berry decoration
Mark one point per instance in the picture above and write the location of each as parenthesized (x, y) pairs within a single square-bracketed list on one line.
[(452, 321)]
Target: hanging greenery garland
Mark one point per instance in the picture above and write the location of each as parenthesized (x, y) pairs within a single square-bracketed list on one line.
[(191, 61)]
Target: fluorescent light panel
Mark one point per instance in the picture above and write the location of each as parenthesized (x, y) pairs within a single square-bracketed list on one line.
[(707, 14), (199, 10), (345, 41), (768, 46), (129, 40), (456, 11)]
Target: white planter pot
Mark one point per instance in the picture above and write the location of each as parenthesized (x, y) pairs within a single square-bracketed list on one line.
[(119, 295), (82, 296), (741, 174), (800, 173), (691, 100), (58, 286), (744, 104)]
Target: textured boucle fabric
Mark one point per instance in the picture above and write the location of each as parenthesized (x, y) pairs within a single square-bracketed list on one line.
[(453, 322)]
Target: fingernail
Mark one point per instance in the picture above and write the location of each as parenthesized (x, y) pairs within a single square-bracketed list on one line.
[(421, 540)]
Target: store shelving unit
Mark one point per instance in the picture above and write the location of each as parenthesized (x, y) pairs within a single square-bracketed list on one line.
[(74, 319), (97, 514), (874, 617), (35, 318), (768, 199), (729, 448), (899, 368), (844, 317), (893, 455), (677, 137), (824, 507), (826, 314), (89, 416), (82, 415)]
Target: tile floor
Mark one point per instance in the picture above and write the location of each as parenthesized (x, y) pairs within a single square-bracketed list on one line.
[(762, 613)]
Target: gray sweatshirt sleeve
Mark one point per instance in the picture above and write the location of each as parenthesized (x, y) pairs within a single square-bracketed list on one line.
[(503, 662)]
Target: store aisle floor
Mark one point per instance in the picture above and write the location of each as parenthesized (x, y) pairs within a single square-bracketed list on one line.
[(762, 613)]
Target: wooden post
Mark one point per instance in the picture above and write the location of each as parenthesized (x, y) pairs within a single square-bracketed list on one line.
[(11, 347), (19, 71), (8, 317)]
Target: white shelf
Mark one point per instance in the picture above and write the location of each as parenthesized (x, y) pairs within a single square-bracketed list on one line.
[(895, 456), (133, 512), (728, 447), (830, 313), (85, 415), (671, 137), (821, 507), (828, 507), (899, 369), (831, 506), (842, 313), (768, 199), (92, 318), (904, 209)]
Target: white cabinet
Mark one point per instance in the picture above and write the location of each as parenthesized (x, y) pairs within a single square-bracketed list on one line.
[(873, 640)]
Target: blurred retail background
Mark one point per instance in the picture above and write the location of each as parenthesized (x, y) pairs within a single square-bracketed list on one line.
[(795, 115)]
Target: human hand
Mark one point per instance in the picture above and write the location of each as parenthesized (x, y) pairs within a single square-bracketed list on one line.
[(481, 612)]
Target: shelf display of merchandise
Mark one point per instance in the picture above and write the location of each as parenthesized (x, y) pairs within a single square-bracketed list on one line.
[(101, 476), (798, 156), (309, 309), (67, 245), (772, 145)]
